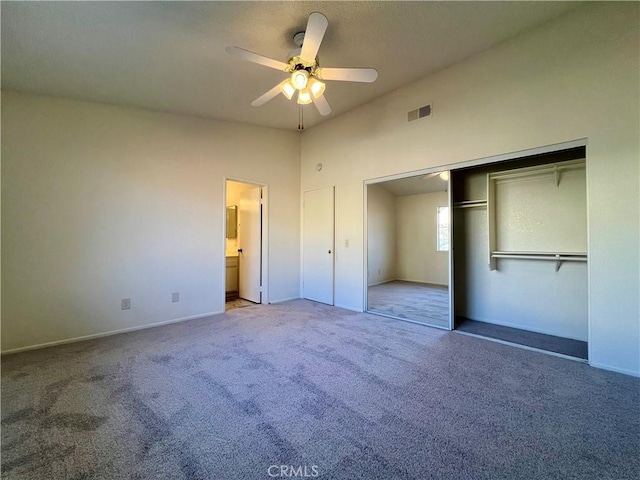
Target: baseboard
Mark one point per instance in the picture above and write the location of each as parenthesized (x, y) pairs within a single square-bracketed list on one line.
[(107, 334), (421, 282), (282, 300), (352, 309), (381, 282), (615, 369)]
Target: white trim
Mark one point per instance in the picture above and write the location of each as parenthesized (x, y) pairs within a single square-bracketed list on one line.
[(365, 247), (615, 369), (264, 234), (589, 337), (554, 147), (109, 333), (283, 300), (415, 173), (403, 319), (450, 267), (383, 282), (524, 347), (433, 284), (351, 309), (398, 176)]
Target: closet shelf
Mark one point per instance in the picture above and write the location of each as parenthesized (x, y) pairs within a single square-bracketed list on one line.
[(548, 256), (517, 208)]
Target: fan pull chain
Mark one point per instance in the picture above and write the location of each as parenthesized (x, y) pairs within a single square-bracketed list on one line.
[(300, 119)]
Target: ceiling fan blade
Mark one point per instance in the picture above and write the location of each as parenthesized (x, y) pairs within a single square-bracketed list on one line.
[(267, 96), (313, 35), (255, 58), (365, 75), (322, 105)]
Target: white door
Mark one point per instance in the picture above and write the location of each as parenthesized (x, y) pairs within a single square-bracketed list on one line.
[(250, 244), (318, 248)]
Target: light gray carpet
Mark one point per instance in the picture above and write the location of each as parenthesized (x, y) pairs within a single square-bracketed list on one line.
[(419, 302), (304, 384)]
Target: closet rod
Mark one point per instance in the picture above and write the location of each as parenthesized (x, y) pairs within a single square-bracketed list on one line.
[(563, 258)]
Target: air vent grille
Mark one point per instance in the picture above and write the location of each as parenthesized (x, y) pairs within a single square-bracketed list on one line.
[(419, 113)]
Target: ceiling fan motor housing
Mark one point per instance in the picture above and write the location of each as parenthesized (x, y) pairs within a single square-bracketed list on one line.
[(298, 39)]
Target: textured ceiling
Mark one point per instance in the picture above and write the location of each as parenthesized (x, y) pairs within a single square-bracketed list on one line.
[(415, 185), (169, 56)]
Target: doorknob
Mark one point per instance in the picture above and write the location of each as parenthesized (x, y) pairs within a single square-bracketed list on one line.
[(239, 250), (329, 251)]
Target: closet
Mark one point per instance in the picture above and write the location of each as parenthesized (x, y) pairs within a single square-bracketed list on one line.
[(520, 251)]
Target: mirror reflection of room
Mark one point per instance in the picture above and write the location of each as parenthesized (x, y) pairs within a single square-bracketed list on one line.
[(232, 222), (408, 249)]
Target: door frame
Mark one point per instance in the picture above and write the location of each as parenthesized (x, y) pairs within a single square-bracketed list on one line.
[(264, 270), (365, 233)]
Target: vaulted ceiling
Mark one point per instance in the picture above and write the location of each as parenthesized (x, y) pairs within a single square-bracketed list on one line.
[(170, 56)]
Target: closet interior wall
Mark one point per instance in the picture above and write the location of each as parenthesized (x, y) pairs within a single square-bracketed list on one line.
[(530, 294)]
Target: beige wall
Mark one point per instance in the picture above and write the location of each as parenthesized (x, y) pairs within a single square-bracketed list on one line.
[(102, 202), (574, 78), (381, 235), (416, 231)]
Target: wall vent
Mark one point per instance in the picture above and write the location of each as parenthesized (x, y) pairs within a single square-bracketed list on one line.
[(419, 113)]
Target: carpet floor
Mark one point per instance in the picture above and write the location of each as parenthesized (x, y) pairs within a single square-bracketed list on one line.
[(312, 389), (418, 302)]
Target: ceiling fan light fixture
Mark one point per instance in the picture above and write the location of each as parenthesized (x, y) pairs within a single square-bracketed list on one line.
[(305, 79), (304, 97), (288, 89), (299, 79), (316, 87)]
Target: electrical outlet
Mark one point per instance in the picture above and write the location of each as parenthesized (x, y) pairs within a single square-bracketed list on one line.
[(175, 297), (125, 304)]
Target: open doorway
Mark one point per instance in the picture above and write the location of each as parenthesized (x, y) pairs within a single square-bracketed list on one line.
[(244, 244), (408, 238)]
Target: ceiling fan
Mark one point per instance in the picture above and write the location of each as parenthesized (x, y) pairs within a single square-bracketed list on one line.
[(306, 77)]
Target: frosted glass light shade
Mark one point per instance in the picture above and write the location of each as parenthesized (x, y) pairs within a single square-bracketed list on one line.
[(304, 97), (288, 89), (299, 79), (316, 87)]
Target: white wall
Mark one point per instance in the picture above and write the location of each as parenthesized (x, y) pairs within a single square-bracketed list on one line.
[(417, 255), (576, 77), (102, 202), (381, 234)]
